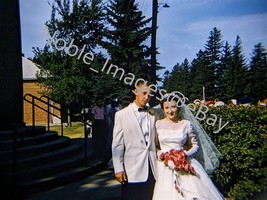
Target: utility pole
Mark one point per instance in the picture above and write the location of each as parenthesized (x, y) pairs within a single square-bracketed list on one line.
[(154, 48)]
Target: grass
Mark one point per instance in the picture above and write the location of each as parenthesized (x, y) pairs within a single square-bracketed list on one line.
[(76, 130)]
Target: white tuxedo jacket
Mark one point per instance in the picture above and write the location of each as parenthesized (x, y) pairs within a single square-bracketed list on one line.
[(129, 150)]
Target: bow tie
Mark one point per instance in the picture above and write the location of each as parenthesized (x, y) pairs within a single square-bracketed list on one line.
[(143, 109)]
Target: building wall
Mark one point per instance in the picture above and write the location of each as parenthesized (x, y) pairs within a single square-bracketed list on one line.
[(41, 116), (11, 103)]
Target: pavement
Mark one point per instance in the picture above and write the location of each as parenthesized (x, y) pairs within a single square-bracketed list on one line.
[(101, 186)]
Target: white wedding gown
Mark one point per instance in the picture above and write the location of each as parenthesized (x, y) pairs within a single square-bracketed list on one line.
[(173, 135)]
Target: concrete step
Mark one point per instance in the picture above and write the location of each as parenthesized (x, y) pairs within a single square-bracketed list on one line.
[(42, 158), (63, 178), (100, 186), (39, 139), (43, 161), (46, 170), (35, 149), (6, 135), (50, 169), (21, 132)]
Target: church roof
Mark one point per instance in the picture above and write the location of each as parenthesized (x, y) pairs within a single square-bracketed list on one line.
[(29, 69)]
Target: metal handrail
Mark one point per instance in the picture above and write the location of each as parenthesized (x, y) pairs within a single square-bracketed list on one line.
[(49, 105), (32, 102), (55, 107)]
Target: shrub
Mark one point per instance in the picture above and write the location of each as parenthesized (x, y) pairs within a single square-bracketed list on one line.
[(242, 171)]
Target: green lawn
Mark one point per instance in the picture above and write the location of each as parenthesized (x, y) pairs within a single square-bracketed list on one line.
[(76, 130)]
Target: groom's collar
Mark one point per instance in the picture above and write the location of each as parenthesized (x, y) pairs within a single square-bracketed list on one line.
[(134, 106)]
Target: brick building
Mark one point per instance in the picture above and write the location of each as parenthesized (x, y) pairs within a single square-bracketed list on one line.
[(31, 86)]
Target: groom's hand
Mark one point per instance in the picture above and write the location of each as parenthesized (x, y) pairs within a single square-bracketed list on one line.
[(121, 177)]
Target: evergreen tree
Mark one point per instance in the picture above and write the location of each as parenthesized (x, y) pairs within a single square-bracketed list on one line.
[(179, 79), (234, 73), (213, 52), (172, 80), (185, 82), (125, 41), (199, 75), (258, 73), (166, 77), (224, 73), (126, 36), (240, 70)]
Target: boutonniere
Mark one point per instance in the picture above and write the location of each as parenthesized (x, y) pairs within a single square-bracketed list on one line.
[(151, 111)]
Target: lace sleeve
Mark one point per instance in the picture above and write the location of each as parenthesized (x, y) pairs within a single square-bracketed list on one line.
[(208, 155), (192, 141)]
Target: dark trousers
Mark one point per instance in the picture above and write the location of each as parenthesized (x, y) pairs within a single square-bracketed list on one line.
[(139, 191), (99, 137)]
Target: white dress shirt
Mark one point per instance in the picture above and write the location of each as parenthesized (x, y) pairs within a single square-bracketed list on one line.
[(142, 118)]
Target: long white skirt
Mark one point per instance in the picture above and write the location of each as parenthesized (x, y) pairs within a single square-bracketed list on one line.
[(198, 187)]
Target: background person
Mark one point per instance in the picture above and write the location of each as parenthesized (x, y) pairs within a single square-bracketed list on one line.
[(110, 117), (218, 103), (99, 129)]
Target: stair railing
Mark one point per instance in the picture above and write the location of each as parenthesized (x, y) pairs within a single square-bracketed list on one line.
[(33, 100), (49, 105), (34, 104)]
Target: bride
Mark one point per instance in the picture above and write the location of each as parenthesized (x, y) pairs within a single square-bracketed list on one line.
[(173, 133)]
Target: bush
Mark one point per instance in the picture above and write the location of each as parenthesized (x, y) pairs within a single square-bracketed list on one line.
[(242, 171)]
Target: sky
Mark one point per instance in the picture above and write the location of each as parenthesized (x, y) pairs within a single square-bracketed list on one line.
[(183, 28)]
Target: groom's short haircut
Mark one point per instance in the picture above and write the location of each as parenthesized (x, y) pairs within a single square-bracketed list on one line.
[(139, 83)]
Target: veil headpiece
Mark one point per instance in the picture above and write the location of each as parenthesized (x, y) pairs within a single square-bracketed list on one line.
[(208, 154)]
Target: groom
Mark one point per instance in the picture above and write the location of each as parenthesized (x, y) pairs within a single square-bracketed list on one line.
[(133, 147)]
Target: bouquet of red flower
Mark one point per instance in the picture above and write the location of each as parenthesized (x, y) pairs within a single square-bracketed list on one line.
[(176, 160)]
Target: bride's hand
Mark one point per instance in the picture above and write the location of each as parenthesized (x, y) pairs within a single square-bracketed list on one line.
[(158, 154)]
